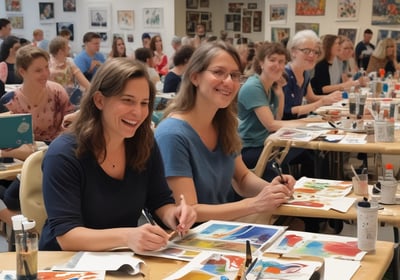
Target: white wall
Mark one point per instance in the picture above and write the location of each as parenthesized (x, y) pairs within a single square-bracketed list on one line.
[(175, 19)]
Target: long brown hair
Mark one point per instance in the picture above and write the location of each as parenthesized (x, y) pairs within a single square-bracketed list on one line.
[(110, 80), (225, 120)]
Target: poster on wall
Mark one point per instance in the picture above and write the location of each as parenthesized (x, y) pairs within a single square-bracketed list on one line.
[(302, 25), (125, 19), (310, 7), (347, 10), (65, 25), (257, 21), (17, 21), (46, 12), (69, 5), (350, 33), (153, 17), (279, 34), (13, 5), (387, 14), (99, 16), (278, 14)]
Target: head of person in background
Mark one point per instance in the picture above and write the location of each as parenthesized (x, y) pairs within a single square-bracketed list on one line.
[(5, 28), (92, 41), (146, 38), (65, 33), (118, 48), (173, 78), (24, 42), (145, 55), (200, 31), (160, 58), (176, 42), (37, 37), (367, 36), (384, 57), (330, 47), (8, 54)]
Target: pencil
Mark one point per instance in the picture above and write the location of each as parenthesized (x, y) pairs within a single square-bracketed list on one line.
[(148, 216)]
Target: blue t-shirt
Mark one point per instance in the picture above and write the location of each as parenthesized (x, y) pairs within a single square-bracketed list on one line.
[(83, 61), (184, 154), (77, 192), (294, 93), (251, 96)]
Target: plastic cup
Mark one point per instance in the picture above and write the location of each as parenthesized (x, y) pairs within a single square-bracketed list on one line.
[(367, 227), (360, 185), (27, 255)]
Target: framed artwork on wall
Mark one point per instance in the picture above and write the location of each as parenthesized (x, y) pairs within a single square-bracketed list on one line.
[(303, 25), (278, 13), (257, 21), (153, 17), (17, 21), (125, 19), (65, 25), (204, 3), (246, 24), (235, 7), (252, 6), (310, 7), (69, 5), (192, 18), (279, 34), (99, 16), (192, 4), (350, 33), (46, 12), (13, 5), (105, 39), (387, 14), (347, 10)]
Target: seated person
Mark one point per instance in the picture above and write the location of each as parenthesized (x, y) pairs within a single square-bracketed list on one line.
[(98, 177), (200, 145), (8, 51), (145, 55), (48, 103), (174, 76), (384, 57)]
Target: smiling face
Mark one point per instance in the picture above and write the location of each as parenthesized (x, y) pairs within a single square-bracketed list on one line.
[(303, 60), (120, 46), (123, 114), (273, 66), (213, 90)]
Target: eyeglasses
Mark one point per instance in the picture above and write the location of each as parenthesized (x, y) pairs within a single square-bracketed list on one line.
[(308, 51), (222, 75)]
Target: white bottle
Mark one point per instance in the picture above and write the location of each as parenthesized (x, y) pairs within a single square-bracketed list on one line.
[(389, 174)]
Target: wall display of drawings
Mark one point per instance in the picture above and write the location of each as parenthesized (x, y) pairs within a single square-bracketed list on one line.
[(65, 25), (194, 18), (13, 6), (310, 7), (302, 25), (278, 13), (350, 33), (279, 34), (385, 14), (105, 39), (153, 17), (192, 4), (348, 10), (232, 22), (99, 16), (257, 21), (46, 12), (243, 19), (125, 19)]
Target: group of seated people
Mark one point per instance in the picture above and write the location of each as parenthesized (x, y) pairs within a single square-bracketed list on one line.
[(108, 164)]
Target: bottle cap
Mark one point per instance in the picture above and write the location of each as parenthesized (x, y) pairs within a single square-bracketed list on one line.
[(364, 203), (17, 221), (27, 225), (389, 166), (345, 95)]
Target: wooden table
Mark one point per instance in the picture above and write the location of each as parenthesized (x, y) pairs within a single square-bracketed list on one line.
[(373, 265), (11, 172)]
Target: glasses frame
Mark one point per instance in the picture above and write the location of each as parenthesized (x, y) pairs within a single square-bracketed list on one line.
[(221, 75), (308, 51)]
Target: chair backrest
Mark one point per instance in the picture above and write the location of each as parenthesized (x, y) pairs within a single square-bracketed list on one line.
[(30, 192)]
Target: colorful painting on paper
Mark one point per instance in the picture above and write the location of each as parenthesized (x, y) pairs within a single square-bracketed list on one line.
[(224, 266), (295, 243), (318, 193), (229, 236), (310, 7), (347, 9), (62, 275), (385, 12)]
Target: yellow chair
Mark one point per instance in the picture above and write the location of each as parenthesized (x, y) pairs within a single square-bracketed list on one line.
[(30, 192)]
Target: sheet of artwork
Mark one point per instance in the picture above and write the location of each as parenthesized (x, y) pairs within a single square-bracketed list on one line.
[(63, 275), (297, 243), (211, 265), (229, 236), (320, 193), (296, 134), (175, 253)]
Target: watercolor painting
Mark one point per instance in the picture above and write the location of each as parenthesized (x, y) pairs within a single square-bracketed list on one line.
[(278, 13), (297, 243), (229, 236), (347, 10), (385, 14), (310, 7), (318, 193), (209, 265), (13, 5)]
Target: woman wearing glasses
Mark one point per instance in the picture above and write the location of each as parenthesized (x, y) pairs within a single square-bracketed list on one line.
[(304, 49), (200, 145)]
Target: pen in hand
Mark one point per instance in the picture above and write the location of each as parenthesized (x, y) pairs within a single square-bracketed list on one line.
[(148, 216), (278, 170)]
